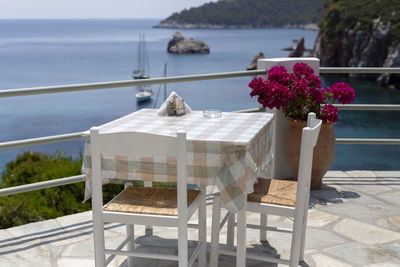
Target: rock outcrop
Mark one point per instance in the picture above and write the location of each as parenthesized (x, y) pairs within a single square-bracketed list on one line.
[(392, 60), (299, 51), (253, 64), (180, 45)]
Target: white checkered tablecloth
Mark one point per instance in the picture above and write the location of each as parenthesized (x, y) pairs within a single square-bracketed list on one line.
[(229, 152)]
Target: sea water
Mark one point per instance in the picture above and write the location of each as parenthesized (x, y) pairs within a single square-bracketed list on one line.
[(58, 52)]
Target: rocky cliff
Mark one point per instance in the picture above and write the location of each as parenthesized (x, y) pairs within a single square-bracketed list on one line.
[(355, 34)]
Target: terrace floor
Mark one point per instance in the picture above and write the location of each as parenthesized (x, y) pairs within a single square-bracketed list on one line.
[(354, 220)]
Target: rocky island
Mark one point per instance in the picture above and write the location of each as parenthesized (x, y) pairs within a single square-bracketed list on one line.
[(248, 14), (180, 45), (361, 33)]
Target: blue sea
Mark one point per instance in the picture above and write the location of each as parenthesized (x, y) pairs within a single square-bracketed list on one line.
[(58, 52)]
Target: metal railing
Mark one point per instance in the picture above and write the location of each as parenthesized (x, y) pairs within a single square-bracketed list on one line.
[(161, 80)]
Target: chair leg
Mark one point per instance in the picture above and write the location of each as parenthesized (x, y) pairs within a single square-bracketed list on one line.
[(303, 233), (230, 235), (98, 236), (148, 228), (130, 232), (216, 218), (241, 237), (263, 223), (203, 228), (296, 241)]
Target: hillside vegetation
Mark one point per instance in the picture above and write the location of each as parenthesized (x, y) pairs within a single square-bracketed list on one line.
[(250, 13), (31, 167), (361, 33), (361, 16)]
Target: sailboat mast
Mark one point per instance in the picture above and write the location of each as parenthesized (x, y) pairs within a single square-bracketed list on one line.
[(144, 54), (140, 53), (165, 84)]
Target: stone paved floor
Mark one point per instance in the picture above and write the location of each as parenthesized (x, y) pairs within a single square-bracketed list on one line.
[(354, 220)]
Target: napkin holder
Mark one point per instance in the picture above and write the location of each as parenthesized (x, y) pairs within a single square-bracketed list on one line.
[(176, 106)]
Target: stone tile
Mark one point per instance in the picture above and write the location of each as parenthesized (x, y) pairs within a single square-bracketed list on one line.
[(5, 236), (385, 209), (75, 220), (362, 255), (386, 264), (335, 174), (84, 249), (365, 233), (35, 229), (391, 197), (361, 174), (72, 237), (16, 260), (329, 194), (355, 211), (387, 174), (323, 260), (76, 262), (365, 199), (369, 188), (317, 238), (320, 219), (392, 223)]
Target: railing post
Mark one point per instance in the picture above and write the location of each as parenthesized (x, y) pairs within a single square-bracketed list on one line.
[(281, 125)]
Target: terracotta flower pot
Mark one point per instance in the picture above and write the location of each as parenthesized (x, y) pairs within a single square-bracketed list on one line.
[(324, 151)]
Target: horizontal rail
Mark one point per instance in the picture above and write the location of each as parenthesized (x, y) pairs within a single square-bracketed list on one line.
[(41, 140), (42, 185), (367, 141), (367, 107), (117, 84), (175, 79), (358, 70), (78, 135)]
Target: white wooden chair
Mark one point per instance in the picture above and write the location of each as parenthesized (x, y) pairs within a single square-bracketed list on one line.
[(280, 197), (148, 206)]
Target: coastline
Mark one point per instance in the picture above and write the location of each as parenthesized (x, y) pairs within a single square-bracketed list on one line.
[(176, 25)]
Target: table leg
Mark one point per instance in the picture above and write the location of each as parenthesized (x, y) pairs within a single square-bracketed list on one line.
[(241, 237)]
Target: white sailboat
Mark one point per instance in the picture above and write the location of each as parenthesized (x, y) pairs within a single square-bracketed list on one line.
[(145, 92), (143, 60)]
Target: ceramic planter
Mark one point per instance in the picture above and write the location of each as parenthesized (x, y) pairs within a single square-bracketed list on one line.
[(324, 151)]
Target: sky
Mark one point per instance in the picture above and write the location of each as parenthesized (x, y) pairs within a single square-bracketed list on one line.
[(71, 9)]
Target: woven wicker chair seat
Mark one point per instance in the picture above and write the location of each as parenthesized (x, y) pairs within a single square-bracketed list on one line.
[(277, 192), (149, 200)]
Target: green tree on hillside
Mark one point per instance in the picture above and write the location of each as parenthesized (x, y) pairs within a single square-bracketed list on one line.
[(31, 167), (253, 13)]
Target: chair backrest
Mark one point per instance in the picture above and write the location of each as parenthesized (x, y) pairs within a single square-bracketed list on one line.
[(309, 139), (135, 144), (139, 144)]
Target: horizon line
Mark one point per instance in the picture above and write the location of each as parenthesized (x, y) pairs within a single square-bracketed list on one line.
[(80, 18)]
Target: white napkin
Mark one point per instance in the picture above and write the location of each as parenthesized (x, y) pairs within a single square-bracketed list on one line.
[(163, 109)]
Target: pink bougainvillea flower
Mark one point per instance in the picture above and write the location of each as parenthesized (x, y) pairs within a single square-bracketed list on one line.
[(257, 85), (314, 81), (342, 92), (300, 92), (317, 95), (302, 69), (329, 114), (278, 74)]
